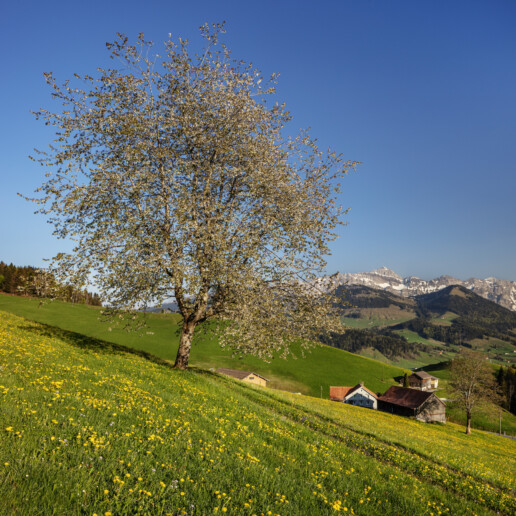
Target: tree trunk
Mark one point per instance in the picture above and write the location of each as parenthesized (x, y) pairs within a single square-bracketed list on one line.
[(185, 344), (468, 423)]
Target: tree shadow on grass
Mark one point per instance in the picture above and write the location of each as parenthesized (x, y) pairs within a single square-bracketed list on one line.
[(437, 366), (91, 344)]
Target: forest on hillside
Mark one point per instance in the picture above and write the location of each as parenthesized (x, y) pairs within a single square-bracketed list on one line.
[(390, 344), (467, 326), (31, 281), (476, 314)]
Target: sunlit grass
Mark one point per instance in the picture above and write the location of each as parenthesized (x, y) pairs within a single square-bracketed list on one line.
[(88, 428), (323, 367)]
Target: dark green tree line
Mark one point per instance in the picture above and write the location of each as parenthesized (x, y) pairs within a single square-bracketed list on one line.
[(31, 281), (506, 379)]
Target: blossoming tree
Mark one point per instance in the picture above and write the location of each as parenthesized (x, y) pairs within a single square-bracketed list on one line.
[(175, 178)]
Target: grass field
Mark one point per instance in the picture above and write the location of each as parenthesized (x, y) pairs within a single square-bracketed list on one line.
[(437, 353), (91, 428), (378, 317), (445, 319), (323, 367), (495, 347), (412, 336), (424, 359)]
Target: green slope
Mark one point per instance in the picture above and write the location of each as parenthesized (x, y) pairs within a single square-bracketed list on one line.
[(323, 367), (91, 429)]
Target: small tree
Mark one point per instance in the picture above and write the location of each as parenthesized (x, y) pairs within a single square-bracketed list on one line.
[(39, 283), (472, 381), (174, 177), (406, 383)]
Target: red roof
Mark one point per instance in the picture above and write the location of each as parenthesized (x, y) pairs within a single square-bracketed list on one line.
[(339, 393), (404, 397)]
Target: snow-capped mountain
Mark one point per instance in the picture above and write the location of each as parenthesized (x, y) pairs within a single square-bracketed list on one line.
[(500, 291)]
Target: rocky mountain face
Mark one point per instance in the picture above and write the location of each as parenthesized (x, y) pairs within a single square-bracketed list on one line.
[(500, 291)]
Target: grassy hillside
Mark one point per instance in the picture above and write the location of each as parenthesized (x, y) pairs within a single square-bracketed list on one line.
[(88, 428), (455, 315), (439, 323), (368, 318), (323, 367)]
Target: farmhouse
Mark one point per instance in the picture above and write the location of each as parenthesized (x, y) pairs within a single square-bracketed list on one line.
[(245, 376), (423, 381), (421, 405), (357, 395)]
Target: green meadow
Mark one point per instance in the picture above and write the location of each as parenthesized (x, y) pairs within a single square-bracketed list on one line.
[(89, 427), (444, 320), (378, 317), (412, 336), (312, 374)]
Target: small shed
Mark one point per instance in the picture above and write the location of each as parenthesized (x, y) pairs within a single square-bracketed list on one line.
[(421, 405), (423, 381), (245, 376), (358, 395)]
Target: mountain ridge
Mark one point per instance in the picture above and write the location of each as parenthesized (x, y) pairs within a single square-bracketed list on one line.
[(502, 292)]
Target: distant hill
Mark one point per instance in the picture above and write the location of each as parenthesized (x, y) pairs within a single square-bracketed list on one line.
[(467, 305), (476, 316), (428, 328), (471, 321), (361, 296), (378, 309), (164, 308)]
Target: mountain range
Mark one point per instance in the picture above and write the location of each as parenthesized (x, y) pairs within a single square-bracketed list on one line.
[(499, 291)]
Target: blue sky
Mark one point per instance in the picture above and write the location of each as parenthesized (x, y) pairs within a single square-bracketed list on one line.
[(422, 93)]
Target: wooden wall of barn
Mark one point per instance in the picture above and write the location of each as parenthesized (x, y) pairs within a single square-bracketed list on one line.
[(432, 410)]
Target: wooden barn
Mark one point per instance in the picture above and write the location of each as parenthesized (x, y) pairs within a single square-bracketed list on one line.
[(422, 405), (423, 381), (245, 376), (357, 395)]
